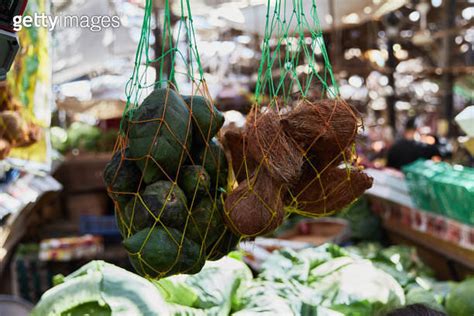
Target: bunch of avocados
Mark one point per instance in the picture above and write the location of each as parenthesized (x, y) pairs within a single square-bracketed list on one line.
[(167, 182)]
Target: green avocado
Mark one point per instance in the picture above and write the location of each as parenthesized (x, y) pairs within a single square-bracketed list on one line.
[(207, 119), (122, 177), (206, 223), (161, 200), (195, 182), (120, 221), (156, 253), (213, 159), (160, 134), (226, 243)]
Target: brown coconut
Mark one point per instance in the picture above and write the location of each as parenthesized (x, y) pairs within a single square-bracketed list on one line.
[(323, 129), (335, 189), (266, 143), (255, 208), (242, 165)]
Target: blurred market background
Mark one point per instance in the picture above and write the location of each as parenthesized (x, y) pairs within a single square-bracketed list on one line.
[(406, 65)]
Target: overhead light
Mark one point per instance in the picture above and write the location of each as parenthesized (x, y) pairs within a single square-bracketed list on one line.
[(383, 81), (402, 106), (436, 3), (328, 18), (356, 81), (401, 54), (352, 18), (468, 13), (414, 16)]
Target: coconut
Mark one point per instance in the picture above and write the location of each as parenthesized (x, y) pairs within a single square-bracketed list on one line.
[(242, 165), (328, 192), (255, 208), (323, 129), (266, 142)]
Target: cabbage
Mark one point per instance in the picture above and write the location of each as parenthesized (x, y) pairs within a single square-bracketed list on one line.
[(102, 289), (460, 301)]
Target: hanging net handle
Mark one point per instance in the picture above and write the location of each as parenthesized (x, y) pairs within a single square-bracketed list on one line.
[(279, 24), (170, 51)]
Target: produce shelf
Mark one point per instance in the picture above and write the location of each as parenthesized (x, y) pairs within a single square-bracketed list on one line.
[(443, 238), (19, 200)]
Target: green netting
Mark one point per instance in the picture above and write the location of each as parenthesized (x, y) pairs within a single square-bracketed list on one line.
[(294, 45), (296, 153), (177, 202), (169, 172)]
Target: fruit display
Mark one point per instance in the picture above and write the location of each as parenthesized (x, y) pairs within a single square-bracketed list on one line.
[(168, 179), (299, 161)]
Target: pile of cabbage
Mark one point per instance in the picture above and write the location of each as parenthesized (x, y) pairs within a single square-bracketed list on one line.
[(328, 280)]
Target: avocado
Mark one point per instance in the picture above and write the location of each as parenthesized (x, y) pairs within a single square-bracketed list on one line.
[(206, 223), (122, 177), (155, 252), (160, 134), (207, 119), (195, 182), (163, 201), (226, 243), (213, 159)]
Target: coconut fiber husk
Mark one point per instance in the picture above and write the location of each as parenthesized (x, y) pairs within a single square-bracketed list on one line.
[(266, 142), (323, 129), (256, 207), (335, 189), (242, 165)]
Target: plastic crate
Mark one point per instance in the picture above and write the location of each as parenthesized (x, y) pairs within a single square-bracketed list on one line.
[(443, 189), (99, 225), (454, 192), (419, 176)]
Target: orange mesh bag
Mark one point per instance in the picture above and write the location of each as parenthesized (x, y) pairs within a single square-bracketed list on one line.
[(295, 153), (169, 174)]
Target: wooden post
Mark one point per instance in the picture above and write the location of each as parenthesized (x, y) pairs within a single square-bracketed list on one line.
[(391, 99), (447, 81)]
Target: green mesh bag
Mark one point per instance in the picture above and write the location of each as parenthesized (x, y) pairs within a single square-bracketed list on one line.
[(296, 152), (169, 173)]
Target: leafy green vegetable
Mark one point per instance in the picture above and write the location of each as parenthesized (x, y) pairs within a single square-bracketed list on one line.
[(460, 301), (211, 292), (92, 309), (419, 295), (365, 225), (83, 136), (100, 287), (321, 281)]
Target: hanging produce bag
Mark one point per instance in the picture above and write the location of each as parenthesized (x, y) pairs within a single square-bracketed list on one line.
[(296, 152), (169, 172)]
